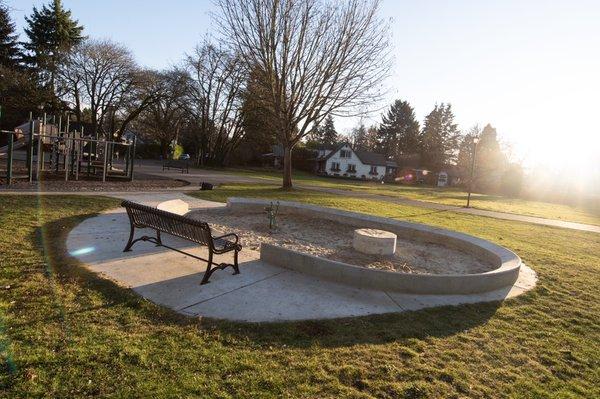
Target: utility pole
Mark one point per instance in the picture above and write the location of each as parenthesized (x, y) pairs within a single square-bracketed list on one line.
[(475, 141)]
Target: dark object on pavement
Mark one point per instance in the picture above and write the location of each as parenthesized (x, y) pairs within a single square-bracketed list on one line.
[(206, 186)]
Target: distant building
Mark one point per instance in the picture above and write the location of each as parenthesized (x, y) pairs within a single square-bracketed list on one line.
[(129, 135), (273, 158), (343, 161), (442, 180)]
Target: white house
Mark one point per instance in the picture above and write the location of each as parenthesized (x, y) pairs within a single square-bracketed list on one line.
[(344, 161)]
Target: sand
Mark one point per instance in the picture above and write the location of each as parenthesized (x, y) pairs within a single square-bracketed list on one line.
[(333, 240)]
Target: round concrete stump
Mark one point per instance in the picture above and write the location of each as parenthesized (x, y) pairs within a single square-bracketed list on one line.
[(176, 206), (374, 242)]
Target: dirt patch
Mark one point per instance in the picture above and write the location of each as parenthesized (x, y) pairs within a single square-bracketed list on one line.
[(56, 182), (333, 240)]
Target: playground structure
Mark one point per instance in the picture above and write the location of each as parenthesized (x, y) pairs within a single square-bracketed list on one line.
[(56, 149)]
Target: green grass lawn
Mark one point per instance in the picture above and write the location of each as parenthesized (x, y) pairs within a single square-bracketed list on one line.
[(66, 333), (589, 214)]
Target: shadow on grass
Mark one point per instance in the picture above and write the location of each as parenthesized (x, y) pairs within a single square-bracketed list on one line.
[(376, 329), (63, 267), (371, 330)]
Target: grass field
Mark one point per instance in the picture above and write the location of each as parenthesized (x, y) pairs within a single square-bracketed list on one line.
[(66, 333), (590, 213)]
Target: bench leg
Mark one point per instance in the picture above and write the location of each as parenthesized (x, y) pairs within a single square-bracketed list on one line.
[(209, 269), (130, 241), (235, 262), (159, 241)]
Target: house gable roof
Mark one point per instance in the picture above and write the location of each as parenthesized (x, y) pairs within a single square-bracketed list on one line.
[(371, 158), (335, 150), (366, 157)]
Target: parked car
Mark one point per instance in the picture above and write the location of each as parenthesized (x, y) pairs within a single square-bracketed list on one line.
[(184, 157)]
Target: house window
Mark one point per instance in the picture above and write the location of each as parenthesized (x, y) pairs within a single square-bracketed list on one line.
[(351, 168), (345, 154), (373, 170), (335, 166)]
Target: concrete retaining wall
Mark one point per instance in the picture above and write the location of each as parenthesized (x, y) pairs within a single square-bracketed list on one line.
[(506, 262)]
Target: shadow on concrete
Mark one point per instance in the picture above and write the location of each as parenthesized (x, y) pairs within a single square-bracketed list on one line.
[(375, 329)]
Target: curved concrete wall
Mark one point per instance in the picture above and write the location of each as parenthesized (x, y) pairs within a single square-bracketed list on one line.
[(505, 273)]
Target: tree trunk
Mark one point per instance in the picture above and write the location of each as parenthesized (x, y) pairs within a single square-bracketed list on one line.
[(287, 167), (164, 149), (198, 157)]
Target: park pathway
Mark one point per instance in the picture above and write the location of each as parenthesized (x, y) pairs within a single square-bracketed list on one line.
[(197, 176), (450, 208)]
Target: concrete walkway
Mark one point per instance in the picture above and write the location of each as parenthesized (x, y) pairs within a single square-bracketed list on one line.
[(472, 211), (261, 293)]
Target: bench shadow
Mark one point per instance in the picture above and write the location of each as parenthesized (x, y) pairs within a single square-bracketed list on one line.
[(374, 329)]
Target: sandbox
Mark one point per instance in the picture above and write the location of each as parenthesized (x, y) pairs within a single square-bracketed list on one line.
[(297, 283), (318, 241)]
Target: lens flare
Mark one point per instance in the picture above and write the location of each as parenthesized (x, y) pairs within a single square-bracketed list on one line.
[(82, 251)]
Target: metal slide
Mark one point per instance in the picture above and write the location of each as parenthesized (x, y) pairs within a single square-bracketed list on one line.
[(23, 130), (22, 142)]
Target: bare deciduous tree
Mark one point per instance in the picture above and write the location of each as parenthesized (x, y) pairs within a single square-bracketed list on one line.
[(214, 105), (164, 117), (317, 58), (104, 77)]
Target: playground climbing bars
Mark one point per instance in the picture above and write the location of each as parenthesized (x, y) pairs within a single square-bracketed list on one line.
[(46, 143)]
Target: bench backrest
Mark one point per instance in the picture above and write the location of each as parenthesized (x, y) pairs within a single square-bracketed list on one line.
[(176, 163), (170, 223)]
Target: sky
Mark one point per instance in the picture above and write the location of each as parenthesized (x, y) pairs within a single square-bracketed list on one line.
[(530, 68)]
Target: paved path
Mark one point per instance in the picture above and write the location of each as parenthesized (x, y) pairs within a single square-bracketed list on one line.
[(260, 293), (471, 211), (197, 176)]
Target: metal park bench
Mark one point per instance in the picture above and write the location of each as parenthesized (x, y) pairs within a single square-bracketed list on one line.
[(184, 166), (143, 216)]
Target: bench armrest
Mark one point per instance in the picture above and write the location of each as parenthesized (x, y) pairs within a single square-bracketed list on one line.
[(228, 235)]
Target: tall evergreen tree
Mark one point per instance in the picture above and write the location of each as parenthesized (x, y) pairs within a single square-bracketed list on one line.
[(439, 138), (314, 138), (363, 138), (328, 134), (489, 152), (465, 152), (399, 131), (359, 137), (491, 163), (9, 47), (323, 134), (52, 32), (19, 92), (490, 159), (257, 118)]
